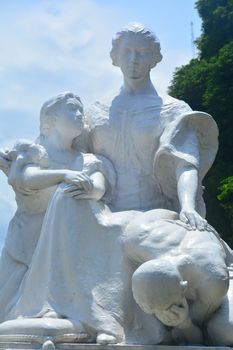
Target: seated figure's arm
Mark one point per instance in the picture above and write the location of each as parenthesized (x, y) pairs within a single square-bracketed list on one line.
[(187, 188), (99, 186)]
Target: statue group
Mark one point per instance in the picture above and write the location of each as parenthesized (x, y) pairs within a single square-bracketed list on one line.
[(109, 243)]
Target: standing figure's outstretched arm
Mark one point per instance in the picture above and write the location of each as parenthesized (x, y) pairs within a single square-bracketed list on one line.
[(187, 188)]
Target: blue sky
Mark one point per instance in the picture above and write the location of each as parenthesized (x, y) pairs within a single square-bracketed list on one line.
[(49, 46)]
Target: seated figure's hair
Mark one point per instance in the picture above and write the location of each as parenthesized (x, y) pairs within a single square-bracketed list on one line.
[(136, 29), (48, 110)]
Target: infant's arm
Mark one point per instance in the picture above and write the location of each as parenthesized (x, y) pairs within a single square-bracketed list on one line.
[(5, 163), (35, 178)]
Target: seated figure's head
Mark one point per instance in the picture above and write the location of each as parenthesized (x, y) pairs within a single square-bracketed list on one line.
[(159, 289), (62, 113)]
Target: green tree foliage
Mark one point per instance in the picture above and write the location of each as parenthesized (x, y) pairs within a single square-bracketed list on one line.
[(217, 25), (206, 83), (226, 197)]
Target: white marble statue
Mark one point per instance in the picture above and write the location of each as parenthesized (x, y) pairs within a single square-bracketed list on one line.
[(122, 252)]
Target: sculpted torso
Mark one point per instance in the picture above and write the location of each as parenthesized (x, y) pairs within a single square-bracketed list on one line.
[(129, 139), (128, 133)]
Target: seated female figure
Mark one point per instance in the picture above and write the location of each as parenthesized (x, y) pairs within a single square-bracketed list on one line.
[(70, 272)]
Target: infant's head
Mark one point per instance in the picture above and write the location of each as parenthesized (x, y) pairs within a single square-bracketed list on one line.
[(157, 286), (29, 152)]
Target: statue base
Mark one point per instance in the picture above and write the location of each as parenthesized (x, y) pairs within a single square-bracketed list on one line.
[(49, 345), (37, 332), (64, 334)]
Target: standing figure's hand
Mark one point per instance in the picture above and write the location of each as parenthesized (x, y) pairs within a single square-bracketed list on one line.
[(192, 218)]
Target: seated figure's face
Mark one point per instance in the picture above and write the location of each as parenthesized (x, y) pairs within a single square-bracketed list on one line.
[(135, 56), (69, 118)]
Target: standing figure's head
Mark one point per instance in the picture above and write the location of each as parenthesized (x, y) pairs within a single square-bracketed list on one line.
[(63, 114), (135, 50)]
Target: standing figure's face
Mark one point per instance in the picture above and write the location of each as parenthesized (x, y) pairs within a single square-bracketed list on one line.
[(69, 118), (135, 56)]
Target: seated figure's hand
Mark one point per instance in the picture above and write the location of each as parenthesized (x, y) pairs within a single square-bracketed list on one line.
[(91, 187), (192, 218), (79, 181), (78, 193)]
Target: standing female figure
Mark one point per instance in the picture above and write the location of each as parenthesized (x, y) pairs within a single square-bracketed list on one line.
[(161, 151)]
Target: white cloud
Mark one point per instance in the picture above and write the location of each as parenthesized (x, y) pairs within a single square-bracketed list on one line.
[(63, 45), (42, 34), (58, 42)]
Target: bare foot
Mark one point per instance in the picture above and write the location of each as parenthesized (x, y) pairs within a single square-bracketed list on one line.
[(104, 338)]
